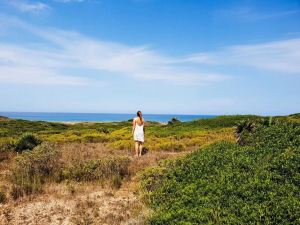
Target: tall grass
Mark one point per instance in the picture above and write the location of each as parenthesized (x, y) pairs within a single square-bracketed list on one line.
[(31, 169)]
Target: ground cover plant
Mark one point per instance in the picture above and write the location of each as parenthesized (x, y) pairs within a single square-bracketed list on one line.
[(225, 183), (176, 136)]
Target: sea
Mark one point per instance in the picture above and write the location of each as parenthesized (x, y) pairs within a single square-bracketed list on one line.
[(97, 117)]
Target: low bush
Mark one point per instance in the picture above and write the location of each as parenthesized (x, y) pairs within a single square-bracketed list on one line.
[(7, 144), (31, 168), (171, 145), (225, 183), (26, 142), (103, 130), (122, 144), (174, 121), (100, 169), (224, 121), (95, 138), (279, 135)]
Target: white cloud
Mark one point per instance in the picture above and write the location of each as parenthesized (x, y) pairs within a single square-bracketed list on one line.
[(26, 6), (278, 56), (60, 51), (58, 54), (37, 75)]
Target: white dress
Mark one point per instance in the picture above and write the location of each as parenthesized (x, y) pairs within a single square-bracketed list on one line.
[(138, 134)]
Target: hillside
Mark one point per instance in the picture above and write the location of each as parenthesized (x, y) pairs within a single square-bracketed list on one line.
[(225, 183), (85, 173)]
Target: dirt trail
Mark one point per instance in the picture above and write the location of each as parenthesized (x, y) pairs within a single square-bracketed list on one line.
[(97, 207), (80, 204)]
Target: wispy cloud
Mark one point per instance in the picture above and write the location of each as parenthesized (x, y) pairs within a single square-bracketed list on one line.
[(278, 56), (251, 14), (69, 51), (68, 57), (26, 6)]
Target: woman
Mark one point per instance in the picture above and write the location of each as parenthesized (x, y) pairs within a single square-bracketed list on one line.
[(138, 130)]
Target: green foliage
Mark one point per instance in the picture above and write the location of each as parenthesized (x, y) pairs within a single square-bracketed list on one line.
[(31, 168), (174, 121), (225, 183), (26, 142), (117, 135), (278, 135), (224, 121), (103, 130)]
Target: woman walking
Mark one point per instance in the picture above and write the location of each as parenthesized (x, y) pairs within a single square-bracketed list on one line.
[(138, 130)]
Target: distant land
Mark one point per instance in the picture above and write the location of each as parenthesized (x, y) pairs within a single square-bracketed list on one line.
[(97, 117)]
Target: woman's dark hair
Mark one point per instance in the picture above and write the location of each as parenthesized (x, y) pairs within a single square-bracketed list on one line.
[(139, 114)]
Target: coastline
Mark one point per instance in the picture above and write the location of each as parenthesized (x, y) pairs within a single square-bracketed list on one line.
[(73, 118)]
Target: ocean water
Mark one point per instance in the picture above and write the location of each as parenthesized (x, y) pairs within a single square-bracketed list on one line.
[(96, 117)]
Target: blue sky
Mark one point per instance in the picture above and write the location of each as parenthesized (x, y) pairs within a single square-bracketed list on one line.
[(159, 56)]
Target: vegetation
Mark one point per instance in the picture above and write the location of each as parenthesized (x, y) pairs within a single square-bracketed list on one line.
[(176, 136), (174, 121), (26, 142), (109, 168), (31, 169), (225, 183), (246, 170)]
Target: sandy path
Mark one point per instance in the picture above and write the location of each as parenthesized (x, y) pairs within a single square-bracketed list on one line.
[(91, 206)]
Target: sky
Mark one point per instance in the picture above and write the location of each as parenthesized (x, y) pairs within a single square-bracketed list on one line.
[(159, 56)]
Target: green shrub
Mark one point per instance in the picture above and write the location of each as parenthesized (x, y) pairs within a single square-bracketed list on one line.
[(103, 130), (278, 135), (224, 121), (95, 138), (7, 144), (229, 184), (31, 168), (174, 121), (151, 178), (26, 142), (171, 145)]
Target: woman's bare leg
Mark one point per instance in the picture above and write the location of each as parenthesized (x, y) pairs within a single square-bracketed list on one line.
[(136, 144), (140, 148)]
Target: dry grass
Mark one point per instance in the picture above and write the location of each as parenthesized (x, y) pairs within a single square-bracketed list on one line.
[(89, 204), (72, 202)]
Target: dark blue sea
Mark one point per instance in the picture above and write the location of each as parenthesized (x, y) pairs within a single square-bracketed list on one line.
[(96, 117)]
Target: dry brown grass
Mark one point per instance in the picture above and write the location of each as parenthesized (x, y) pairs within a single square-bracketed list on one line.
[(89, 204)]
